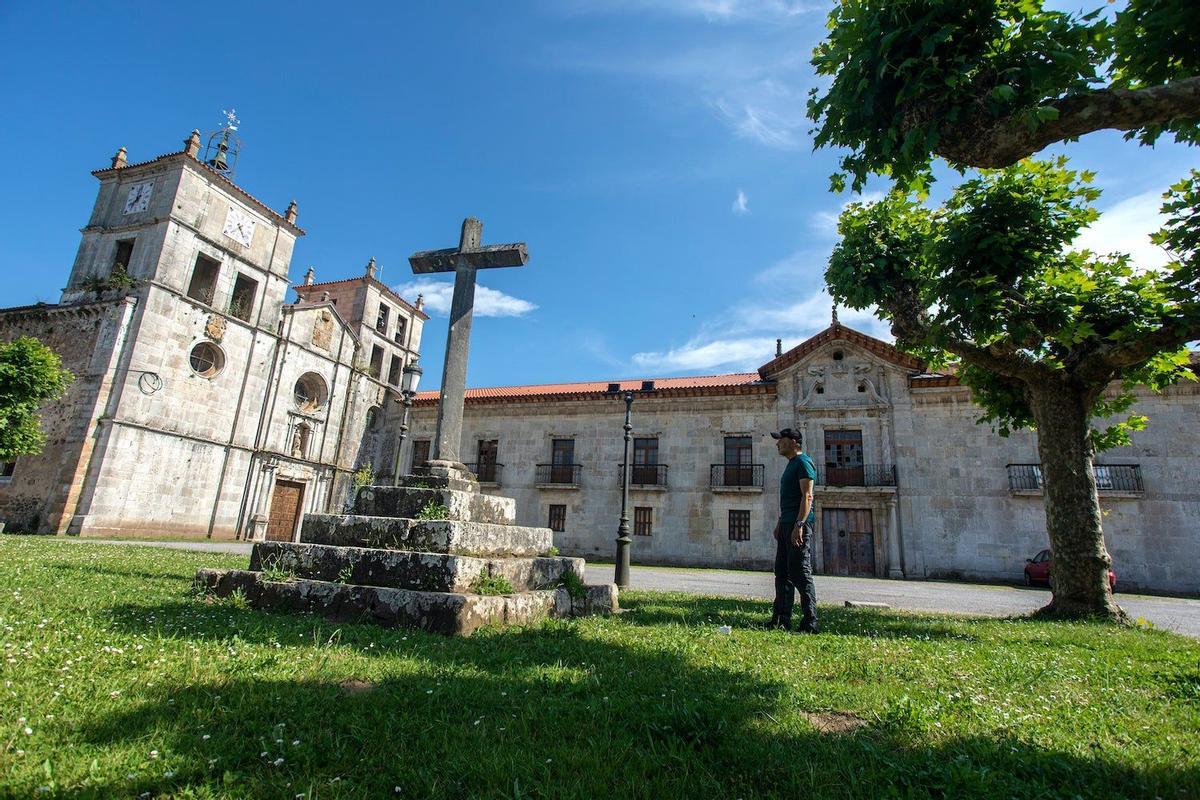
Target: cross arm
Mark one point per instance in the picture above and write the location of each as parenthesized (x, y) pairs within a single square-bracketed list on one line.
[(484, 257)]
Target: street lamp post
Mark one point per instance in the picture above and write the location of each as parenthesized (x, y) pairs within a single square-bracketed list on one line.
[(621, 573), (410, 377)]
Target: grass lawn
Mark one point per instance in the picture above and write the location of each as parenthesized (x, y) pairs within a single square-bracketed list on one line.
[(116, 682)]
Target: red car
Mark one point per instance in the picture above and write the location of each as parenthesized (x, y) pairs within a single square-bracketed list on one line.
[(1037, 571)]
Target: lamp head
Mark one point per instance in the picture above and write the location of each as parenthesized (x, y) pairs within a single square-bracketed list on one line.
[(411, 377)]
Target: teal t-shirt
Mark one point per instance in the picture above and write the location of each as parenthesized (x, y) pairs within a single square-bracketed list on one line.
[(798, 468)]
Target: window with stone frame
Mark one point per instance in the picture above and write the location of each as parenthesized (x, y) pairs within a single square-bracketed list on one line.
[(739, 525), (203, 286), (645, 461), (241, 302), (394, 371), (123, 256), (400, 326), (739, 461), (381, 320), (376, 367), (643, 520), (485, 459), (420, 453), (7, 468), (558, 518)]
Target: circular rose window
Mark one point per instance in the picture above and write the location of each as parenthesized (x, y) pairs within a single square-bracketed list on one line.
[(206, 359), (310, 392)]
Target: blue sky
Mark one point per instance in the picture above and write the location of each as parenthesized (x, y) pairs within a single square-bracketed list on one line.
[(652, 153)]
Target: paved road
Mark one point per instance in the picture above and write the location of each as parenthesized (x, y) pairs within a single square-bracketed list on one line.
[(1177, 614)]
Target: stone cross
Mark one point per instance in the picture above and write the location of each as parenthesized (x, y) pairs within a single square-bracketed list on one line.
[(463, 261)]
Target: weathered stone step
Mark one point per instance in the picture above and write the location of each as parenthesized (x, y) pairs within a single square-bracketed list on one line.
[(401, 569), (440, 612), (437, 536), (408, 502)]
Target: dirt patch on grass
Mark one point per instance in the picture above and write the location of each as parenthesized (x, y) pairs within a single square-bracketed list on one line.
[(834, 721), (355, 686)]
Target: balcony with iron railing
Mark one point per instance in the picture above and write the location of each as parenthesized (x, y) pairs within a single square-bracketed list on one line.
[(486, 471), (865, 475), (645, 476), (1111, 479), (736, 477), (559, 476)]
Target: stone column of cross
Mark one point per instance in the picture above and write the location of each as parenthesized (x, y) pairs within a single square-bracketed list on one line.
[(463, 261)]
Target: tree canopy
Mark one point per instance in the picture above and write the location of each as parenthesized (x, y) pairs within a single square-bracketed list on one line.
[(987, 83), (989, 278), (30, 374)]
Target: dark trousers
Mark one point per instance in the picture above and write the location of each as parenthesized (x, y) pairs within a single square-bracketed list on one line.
[(793, 570)]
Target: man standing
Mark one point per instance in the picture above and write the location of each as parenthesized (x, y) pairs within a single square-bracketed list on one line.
[(793, 536)]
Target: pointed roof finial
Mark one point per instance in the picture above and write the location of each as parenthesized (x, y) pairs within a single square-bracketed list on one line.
[(191, 145), (290, 214), (835, 319), (420, 302), (778, 347), (310, 276), (120, 160), (371, 267)]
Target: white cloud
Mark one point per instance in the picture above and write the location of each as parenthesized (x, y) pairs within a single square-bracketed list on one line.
[(826, 222), (1126, 227), (737, 341), (755, 79), (735, 354), (741, 203), (710, 10), (488, 302)]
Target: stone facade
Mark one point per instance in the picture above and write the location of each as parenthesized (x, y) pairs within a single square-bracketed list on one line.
[(204, 404), (910, 486)]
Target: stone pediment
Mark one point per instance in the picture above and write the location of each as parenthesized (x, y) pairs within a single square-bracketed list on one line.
[(840, 368)]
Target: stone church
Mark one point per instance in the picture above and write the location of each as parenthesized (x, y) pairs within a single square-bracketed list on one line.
[(204, 404), (909, 485)]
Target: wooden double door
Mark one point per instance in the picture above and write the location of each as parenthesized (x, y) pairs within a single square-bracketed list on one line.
[(848, 539), (287, 504)]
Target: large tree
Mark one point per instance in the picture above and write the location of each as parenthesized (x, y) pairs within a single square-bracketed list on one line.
[(1045, 337), (30, 374)]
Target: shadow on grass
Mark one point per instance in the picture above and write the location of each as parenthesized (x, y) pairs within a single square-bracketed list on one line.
[(557, 711)]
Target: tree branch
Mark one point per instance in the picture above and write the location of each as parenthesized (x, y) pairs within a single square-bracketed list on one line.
[(984, 141), (1111, 358), (910, 322)]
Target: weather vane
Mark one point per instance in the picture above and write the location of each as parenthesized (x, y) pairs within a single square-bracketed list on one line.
[(231, 120)]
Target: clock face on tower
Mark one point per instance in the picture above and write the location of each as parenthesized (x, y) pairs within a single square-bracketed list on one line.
[(139, 197), (239, 226)]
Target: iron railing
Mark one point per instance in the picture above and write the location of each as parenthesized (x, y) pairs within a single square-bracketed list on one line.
[(559, 474), (644, 474), (721, 476), (1109, 478), (486, 471), (865, 475)]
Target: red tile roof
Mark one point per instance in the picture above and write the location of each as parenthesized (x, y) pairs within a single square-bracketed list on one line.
[(697, 386), (303, 288), (280, 218)]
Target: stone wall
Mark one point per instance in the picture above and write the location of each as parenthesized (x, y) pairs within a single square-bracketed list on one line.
[(88, 338)]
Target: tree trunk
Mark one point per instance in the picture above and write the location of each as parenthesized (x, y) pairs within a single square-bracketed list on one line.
[(1079, 578)]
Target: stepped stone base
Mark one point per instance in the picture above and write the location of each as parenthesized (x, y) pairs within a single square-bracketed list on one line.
[(382, 565), (406, 501), (434, 572), (430, 536), (438, 612)]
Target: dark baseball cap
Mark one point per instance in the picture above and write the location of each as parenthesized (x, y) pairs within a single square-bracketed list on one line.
[(787, 433)]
